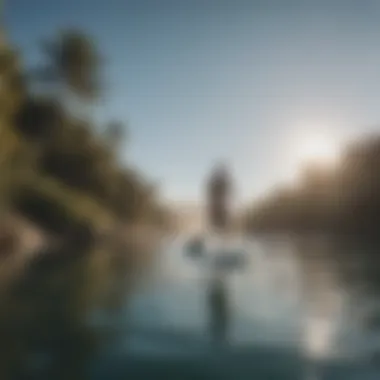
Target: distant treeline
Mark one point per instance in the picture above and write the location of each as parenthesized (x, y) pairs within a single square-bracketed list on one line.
[(344, 199)]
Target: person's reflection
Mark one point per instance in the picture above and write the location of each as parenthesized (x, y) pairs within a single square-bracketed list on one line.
[(219, 312)]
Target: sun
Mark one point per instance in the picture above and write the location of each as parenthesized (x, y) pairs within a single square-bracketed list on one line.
[(315, 148)]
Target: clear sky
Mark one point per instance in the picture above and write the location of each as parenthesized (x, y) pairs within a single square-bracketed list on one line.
[(202, 79)]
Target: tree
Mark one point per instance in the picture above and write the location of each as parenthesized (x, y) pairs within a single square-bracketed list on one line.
[(72, 63)]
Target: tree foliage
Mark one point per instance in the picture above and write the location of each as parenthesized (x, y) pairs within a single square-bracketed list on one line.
[(57, 147), (344, 199), (72, 62)]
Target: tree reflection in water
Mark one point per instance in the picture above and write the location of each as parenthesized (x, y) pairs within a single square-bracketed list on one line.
[(44, 312), (341, 290)]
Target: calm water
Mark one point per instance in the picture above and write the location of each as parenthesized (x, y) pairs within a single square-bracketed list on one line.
[(300, 311), (293, 294)]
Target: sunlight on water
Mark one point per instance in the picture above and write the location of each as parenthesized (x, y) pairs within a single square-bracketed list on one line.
[(271, 305), (318, 337)]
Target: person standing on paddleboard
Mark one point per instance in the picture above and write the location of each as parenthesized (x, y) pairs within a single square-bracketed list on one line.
[(218, 197)]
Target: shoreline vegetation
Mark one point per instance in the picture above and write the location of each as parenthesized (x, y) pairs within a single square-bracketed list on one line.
[(77, 223), (341, 200)]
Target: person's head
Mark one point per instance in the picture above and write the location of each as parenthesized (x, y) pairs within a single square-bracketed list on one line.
[(221, 169), (220, 174)]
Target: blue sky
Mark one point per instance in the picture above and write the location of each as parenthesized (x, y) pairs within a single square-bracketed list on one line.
[(199, 80)]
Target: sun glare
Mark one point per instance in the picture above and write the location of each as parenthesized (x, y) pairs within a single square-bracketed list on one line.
[(316, 148)]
